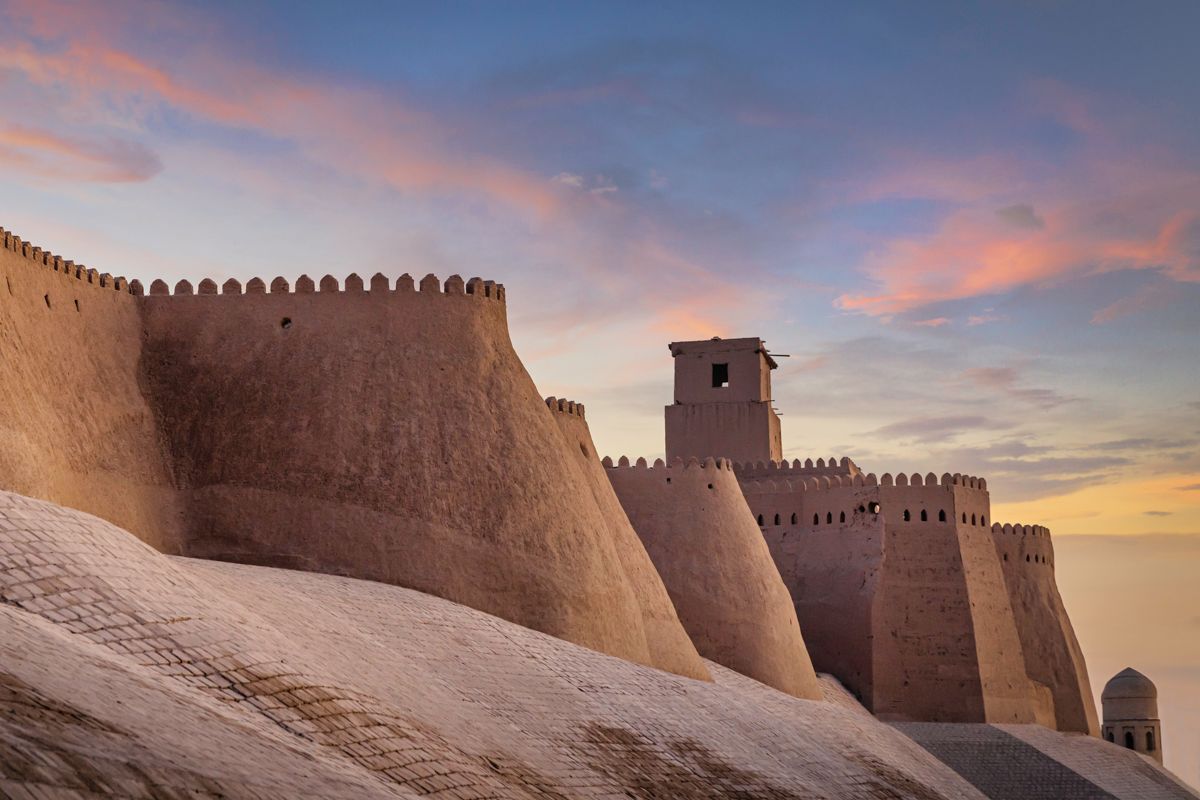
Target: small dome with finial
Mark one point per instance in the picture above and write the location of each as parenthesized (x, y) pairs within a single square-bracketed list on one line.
[(1130, 695)]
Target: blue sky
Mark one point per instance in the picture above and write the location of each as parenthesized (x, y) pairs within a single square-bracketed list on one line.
[(974, 227), (976, 230)]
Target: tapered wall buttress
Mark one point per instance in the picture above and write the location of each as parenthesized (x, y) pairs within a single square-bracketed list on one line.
[(1052, 653), (699, 532), (389, 435), (394, 436), (666, 639)]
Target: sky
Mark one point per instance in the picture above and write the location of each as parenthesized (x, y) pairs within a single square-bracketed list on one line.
[(973, 228)]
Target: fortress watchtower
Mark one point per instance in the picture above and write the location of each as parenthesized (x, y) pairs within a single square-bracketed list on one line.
[(1130, 703), (723, 401)]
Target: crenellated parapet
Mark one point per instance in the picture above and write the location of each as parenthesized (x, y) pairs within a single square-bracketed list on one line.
[(39, 257), (353, 284), (676, 464), (1023, 544), (1051, 651), (833, 466), (692, 518), (563, 406)]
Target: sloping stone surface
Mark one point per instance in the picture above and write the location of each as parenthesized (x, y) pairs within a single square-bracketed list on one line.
[(138, 674), (1030, 762)]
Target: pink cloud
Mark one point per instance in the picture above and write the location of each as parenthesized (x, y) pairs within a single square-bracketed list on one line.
[(935, 322), (1112, 203), (358, 131), (973, 254)]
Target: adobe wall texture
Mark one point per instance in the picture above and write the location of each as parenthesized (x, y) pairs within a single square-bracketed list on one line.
[(832, 571), (389, 434), (701, 537), (738, 431), (393, 435), (668, 642), (914, 616), (1052, 653), (75, 427)]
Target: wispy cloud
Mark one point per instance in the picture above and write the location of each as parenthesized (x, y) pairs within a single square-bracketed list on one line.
[(1021, 215), (1006, 379), (48, 154), (936, 429), (1148, 297)]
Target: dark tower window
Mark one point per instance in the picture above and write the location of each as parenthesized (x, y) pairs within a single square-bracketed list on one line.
[(1129, 739), (972, 519), (907, 516), (942, 515), (1149, 741), (776, 519), (924, 515), (760, 520), (829, 518), (720, 376), (816, 519), (842, 518), (794, 520), (1108, 734)]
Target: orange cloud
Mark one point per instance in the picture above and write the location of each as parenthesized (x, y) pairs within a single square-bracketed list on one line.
[(359, 132), (974, 254)]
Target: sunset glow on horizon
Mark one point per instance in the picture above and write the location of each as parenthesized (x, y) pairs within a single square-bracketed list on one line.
[(975, 233)]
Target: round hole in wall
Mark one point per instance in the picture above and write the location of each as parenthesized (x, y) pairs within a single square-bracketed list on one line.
[(710, 486), (873, 507), (285, 323)]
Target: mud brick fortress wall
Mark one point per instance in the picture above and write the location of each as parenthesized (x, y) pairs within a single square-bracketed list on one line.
[(388, 431), (376, 431), (903, 586), (692, 519)]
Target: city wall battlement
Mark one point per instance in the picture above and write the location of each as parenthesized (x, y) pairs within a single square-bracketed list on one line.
[(758, 469), (379, 284), (564, 406), (676, 463), (271, 424), (353, 283), (805, 483), (38, 256), (1030, 544)]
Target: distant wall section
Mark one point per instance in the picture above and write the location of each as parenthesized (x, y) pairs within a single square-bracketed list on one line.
[(1052, 653), (701, 537), (897, 597)]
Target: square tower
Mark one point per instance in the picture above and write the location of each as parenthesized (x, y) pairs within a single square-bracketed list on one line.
[(723, 401)]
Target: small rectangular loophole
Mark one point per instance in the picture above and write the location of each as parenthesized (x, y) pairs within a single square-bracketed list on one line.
[(720, 376)]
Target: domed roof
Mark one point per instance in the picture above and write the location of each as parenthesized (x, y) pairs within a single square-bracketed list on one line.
[(1129, 684)]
